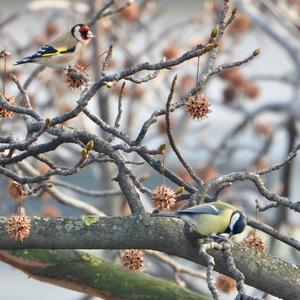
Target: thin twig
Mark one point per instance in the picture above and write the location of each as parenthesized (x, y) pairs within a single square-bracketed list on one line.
[(178, 268), (171, 139), (32, 76), (83, 191), (100, 13), (108, 57), (274, 233), (237, 275), (290, 157), (210, 266)]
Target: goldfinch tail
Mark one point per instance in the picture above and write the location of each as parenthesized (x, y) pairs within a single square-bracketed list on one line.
[(25, 60)]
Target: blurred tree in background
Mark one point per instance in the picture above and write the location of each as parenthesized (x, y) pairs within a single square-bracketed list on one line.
[(167, 109)]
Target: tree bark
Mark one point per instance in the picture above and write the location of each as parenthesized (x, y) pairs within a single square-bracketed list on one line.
[(82, 272), (168, 235)]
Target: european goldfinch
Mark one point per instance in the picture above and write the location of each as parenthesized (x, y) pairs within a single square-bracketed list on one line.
[(63, 51)]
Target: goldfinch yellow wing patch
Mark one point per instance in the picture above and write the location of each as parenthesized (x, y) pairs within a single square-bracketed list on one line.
[(46, 51), (49, 50)]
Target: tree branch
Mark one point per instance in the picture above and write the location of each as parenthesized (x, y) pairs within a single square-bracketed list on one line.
[(153, 232), (90, 274)]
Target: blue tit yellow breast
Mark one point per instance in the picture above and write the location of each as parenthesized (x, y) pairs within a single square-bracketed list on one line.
[(207, 224)]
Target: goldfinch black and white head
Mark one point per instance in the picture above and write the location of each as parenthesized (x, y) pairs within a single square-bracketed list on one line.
[(64, 50)]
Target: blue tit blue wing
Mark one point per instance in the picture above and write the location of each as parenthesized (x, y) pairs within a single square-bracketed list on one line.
[(201, 209)]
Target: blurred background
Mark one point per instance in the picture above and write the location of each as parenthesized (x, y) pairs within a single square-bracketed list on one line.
[(253, 121)]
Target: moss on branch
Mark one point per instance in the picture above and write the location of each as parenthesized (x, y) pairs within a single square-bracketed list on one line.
[(80, 271), (168, 235)]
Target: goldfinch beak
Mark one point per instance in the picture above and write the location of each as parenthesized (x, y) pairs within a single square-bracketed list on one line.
[(90, 34)]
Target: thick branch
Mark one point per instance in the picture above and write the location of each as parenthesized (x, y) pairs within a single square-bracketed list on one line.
[(262, 271), (92, 275)]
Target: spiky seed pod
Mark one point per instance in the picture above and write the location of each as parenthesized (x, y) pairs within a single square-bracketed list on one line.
[(183, 173), (11, 73), (4, 54), (42, 168), (251, 89), (15, 190), (229, 93), (255, 241), (137, 92), (51, 29), (45, 195), (225, 284), (163, 198), (18, 226), (186, 83), (209, 172), (131, 13), (197, 106), (116, 89), (234, 76), (171, 51), (6, 114), (76, 77), (261, 163), (262, 128), (133, 259), (162, 126)]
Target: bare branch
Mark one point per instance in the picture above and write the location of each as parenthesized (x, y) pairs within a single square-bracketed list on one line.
[(172, 141)]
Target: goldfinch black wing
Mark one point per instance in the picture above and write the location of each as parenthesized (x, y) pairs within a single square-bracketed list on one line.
[(45, 51), (201, 209)]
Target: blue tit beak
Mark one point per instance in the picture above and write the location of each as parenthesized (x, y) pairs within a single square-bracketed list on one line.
[(90, 34), (230, 235)]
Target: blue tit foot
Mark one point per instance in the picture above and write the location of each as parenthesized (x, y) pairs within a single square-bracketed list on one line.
[(222, 239)]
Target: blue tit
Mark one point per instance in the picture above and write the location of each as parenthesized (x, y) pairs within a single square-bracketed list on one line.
[(213, 219)]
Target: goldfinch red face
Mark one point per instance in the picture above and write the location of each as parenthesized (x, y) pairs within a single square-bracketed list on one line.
[(82, 33)]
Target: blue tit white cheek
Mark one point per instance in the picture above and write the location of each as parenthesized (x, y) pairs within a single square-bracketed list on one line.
[(235, 217)]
